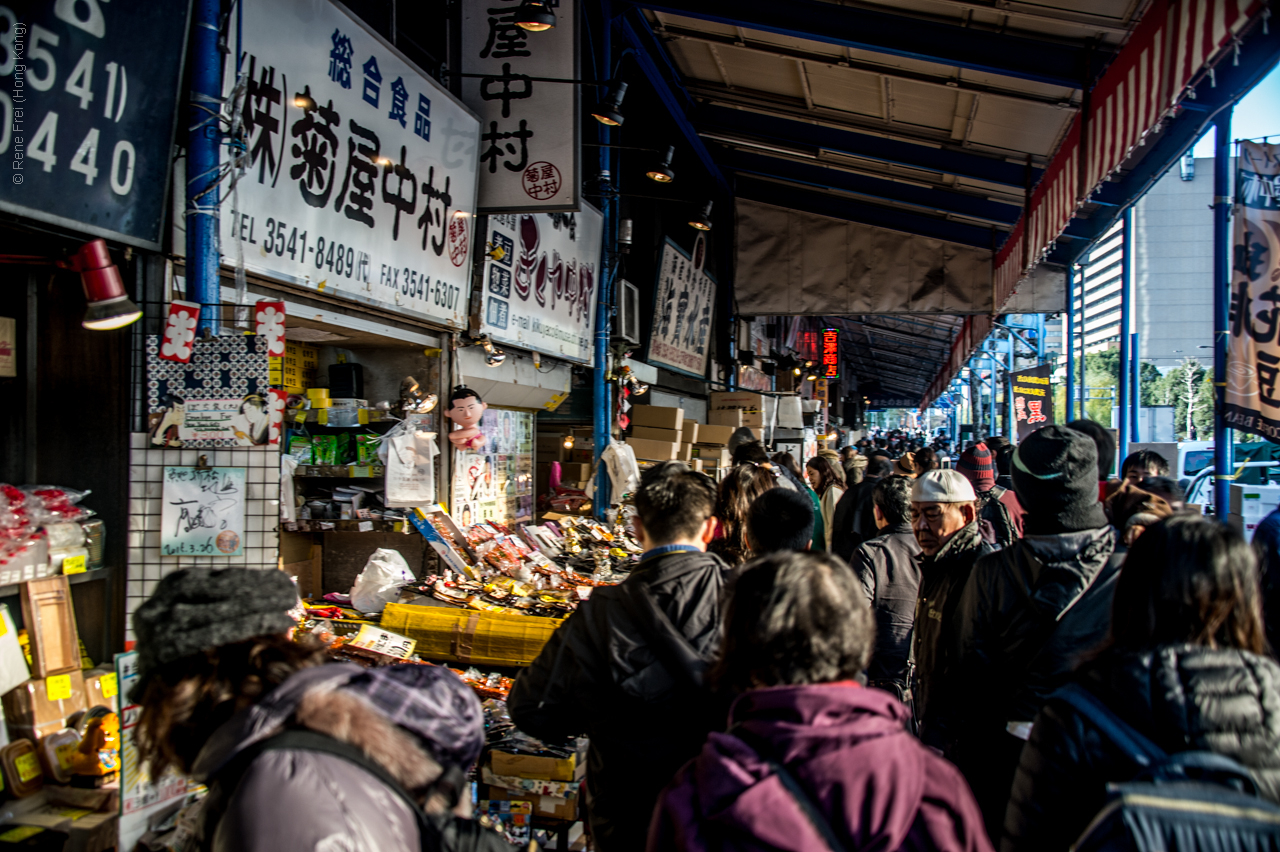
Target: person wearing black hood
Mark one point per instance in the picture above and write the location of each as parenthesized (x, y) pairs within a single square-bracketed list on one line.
[(854, 521), (1029, 611)]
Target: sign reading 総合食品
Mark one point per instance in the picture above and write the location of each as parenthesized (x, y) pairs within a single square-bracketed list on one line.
[(684, 302), (361, 172), (541, 293), (87, 113), (1253, 340), (529, 124), (1032, 399)]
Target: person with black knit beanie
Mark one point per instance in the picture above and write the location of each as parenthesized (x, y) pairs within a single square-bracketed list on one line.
[(1028, 611)]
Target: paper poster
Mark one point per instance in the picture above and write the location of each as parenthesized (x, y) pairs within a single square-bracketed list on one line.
[(496, 484), (685, 301), (203, 512), (218, 399)]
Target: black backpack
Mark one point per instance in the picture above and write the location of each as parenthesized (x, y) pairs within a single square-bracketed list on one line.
[(997, 514), (1192, 801)]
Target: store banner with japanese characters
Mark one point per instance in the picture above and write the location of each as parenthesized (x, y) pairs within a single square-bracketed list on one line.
[(541, 293), (1253, 345), (684, 301), (529, 125), (1032, 399), (88, 102), (362, 175)]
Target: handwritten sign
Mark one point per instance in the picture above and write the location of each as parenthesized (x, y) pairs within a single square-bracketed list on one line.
[(203, 512)]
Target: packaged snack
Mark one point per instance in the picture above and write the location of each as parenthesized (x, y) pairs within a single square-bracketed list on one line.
[(367, 448), (300, 448), (324, 449)]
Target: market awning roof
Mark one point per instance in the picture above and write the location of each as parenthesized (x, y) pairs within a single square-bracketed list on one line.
[(1021, 129)]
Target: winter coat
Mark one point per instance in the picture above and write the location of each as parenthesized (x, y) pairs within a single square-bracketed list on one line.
[(853, 520), (310, 800), (821, 530), (826, 511), (847, 748), (602, 674), (942, 579), (889, 568), (854, 469), (1026, 616), (1181, 696)]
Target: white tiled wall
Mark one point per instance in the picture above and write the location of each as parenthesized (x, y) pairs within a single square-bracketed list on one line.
[(262, 514)]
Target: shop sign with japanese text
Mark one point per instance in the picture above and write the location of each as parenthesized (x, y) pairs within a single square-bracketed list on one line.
[(1253, 343), (362, 174), (684, 300), (88, 100), (1032, 399), (831, 353), (541, 293), (529, 124)]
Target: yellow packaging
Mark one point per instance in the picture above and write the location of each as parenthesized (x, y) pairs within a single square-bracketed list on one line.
[(466, 636)]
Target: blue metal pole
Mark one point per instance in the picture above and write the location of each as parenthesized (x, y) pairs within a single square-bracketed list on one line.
[(601, 390), (1070, 342), (1126, 298), (1010, 424), (1135, 389), (203, 137), (1221, 308)]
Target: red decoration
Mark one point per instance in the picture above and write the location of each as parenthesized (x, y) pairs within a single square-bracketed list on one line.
[(179, 332)]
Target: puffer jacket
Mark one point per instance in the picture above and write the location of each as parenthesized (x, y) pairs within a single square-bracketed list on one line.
[(889, 568), (942, 578), (601, 674), (1181, 696), (297, 799), (1025, 619), (848, 749)]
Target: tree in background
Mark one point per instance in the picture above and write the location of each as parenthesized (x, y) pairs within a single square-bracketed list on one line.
[(1102, 377), (1188, 387)]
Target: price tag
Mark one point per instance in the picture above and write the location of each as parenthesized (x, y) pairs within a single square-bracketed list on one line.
[(300, 416), (28, 766), (66, 753), (75, 564), (110, 685), (58, 687), (359, 471), (322, 417), (384, 642)]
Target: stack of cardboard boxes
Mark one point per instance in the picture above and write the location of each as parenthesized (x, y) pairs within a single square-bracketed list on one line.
[(550, 785), (660, 433)]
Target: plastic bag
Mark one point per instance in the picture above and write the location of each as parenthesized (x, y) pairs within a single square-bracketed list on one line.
[(380, 581)]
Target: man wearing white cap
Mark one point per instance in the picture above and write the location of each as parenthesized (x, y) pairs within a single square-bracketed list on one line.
[(945, 522)]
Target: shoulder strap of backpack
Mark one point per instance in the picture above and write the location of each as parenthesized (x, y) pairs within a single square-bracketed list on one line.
[(669, 644), (789, 783), (1134, 744)]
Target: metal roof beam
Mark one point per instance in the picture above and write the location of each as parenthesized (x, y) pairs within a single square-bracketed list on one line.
[(801, 134), (1054, 63), (940, 200)]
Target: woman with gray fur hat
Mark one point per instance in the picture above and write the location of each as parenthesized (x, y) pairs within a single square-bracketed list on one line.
[(298, 755)]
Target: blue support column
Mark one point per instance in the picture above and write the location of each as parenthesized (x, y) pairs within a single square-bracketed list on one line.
[(203, 137), (601, 390), (1126, 298), (1010, 424), (1135, 388), (1070, 346), (1221, 308)]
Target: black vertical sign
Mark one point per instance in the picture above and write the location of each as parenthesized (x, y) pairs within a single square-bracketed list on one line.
[(1032, 399)]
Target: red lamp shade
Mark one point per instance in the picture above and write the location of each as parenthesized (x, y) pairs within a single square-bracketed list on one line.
[(109, 304)]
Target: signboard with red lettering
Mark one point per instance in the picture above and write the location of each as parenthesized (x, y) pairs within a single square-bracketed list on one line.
[(1032, 399), (527, 99), (830, 353)]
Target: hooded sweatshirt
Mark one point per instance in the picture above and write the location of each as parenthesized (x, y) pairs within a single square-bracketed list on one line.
[(846, 747)]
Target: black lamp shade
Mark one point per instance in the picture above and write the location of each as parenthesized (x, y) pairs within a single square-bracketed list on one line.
[(535, 16)]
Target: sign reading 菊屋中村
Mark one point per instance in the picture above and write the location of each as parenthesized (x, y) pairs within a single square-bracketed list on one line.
[(1253, 344), (529, 125), (541, 293), (362, 178), (684, 301), (88, 97), (1032, 399)]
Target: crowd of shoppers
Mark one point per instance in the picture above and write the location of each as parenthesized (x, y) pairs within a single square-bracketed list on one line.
[(890, 655)]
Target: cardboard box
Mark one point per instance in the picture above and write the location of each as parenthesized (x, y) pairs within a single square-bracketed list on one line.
[(686, 453), (467, 636), (648, 433), (547, 806), (570, 768), (728, 419), (102, 688), (750, 404), (718, 456), (31, 704), (657, 417), (654, 450), (690, 430), (716, 435), (51, 626)]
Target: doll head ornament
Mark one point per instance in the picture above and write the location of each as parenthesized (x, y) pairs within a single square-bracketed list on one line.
[(465, 410)]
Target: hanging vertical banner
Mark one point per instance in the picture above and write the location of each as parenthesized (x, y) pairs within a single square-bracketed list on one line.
[(1253, 350), (361, 181), (831, 353), (1032, 399), (684, 299), (529, 125), (541, 293)]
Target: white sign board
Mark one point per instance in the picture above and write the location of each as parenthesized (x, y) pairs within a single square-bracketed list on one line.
[(684, 302), (141, 798), (363, 176), (529, 131), (541, 294), (202, 512)]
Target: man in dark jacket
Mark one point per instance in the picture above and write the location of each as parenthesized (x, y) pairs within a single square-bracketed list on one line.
[(889, 568), (944, 518), (853, 521), (626, 669), (999, 512), (1030, 611)]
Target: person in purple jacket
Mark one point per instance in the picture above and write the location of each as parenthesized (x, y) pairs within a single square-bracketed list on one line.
[(811, 761)]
